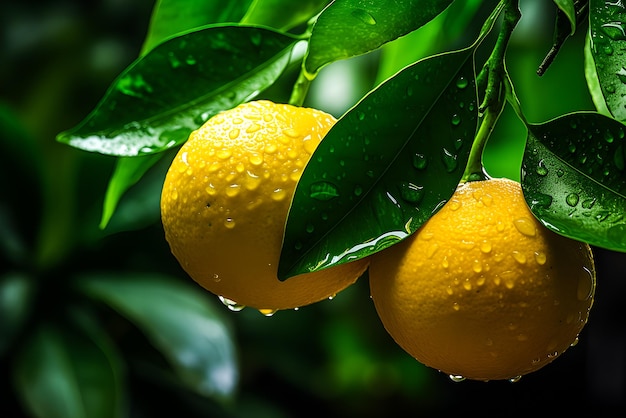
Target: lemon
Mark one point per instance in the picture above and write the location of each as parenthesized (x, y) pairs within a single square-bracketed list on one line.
[(482, 290), (225, 201)]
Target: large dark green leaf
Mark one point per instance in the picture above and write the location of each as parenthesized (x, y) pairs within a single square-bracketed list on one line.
[(282, 14), (385, 167), (574, 178), (62, 373), (348, 28), (159, 99), (608, 36), (179, 321), (171, 17)]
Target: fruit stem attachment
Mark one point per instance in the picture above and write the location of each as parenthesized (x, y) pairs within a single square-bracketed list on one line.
[(300, 88), (495, 77)]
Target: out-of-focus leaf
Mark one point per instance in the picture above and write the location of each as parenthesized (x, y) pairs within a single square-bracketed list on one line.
[(347, 28), (16, 292), (161, 98), (282, 14), (385, 167), (574, 178), (567, 7), (61, 373), (128, 171), (608, 36), (179, 321), (171, 17)]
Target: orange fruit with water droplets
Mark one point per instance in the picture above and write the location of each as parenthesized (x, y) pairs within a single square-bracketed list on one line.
[(483, 290), (225, 201)]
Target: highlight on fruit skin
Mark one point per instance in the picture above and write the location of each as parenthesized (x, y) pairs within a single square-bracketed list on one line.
[(225, 201), (482, 290)]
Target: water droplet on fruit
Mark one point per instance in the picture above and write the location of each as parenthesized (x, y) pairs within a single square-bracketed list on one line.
[(485, 247), (267, 312), (456, 378), (216, 278), (279, 194), (540, 258), (519, 257), (231, 304), (233, 190), (256, 159), (515, 379), (229, 223), (525, 226)]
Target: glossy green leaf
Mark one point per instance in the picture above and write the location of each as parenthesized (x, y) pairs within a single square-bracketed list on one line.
[(179, 321), (282, 14), (591, 77), (574, 178), (128, 171), (347, 28), (171, 17), (161, 98), (608, 25), (386, 166), (567, 7), (62, 373), (134, 202)]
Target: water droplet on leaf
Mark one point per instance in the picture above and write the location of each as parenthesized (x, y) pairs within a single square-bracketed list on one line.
[(364, 16), (462, 82), (420, 161), (323, 190), (449, 160), (572, 199)]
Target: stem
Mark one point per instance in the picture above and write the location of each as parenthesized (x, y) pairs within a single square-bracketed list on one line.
[(300, 88), (494, 67), (475, 169), (498, 84)]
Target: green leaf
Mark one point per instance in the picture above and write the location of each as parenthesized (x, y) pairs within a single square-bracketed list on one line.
[(128, 171), (179, 321), (348, 28), (16, 296), (385, 167), (568, 8), (62, 373), (282, 14), (591, 76), (608, 25), (574, 178), (161, 98), (171, 17)]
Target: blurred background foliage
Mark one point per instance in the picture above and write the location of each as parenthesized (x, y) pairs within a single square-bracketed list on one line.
[(334, 358)]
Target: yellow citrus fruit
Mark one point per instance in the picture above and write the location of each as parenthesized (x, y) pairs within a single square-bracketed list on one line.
[(482, 290), (225, 201)]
